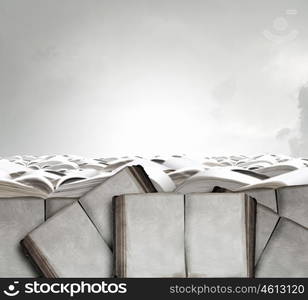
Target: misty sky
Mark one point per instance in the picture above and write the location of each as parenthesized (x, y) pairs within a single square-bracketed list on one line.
[(108, 78)]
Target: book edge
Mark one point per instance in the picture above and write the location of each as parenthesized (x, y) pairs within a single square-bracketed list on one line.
[(142, 178), (36, 256), (250, 221), (119, 236)]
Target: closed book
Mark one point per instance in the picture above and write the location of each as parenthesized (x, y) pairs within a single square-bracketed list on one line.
[(73, 242)]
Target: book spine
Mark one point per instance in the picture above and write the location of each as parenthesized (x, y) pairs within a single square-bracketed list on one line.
[(119, 236), (143, 179), (37, 258), (250, 213)]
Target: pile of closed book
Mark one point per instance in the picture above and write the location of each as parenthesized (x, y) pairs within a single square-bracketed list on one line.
[(237, 216)]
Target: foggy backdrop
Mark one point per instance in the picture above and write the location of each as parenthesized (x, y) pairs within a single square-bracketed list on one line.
[(107, 78)]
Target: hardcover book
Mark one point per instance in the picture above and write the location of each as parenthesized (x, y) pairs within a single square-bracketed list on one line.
[(75, 241), (174, 235)]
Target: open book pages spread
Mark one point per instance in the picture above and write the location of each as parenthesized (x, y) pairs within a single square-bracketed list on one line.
[(160, 216)]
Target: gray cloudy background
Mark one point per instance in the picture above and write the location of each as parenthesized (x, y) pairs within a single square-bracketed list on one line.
[(106, 78)]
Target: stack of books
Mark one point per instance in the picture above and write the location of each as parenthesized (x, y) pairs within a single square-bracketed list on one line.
[(65, 216)]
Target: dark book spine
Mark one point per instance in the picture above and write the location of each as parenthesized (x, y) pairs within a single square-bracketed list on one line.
[(250, 215), (143, 179), (119, 237), (37, 258)]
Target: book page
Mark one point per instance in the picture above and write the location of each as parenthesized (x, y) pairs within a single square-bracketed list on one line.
[(215, 235), (205, 181), (154, 235)]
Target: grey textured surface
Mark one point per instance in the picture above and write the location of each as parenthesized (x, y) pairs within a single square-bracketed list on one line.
[(98, 202), (286, 252), (215, 235), (155, 235), (18, 216), (293, 203), (72, 245), (265, 224), (53, 205), (266, 197)]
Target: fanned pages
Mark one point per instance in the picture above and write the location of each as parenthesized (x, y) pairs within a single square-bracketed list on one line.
[(282, 167), (205, 181), (76, 186), (297, 177), (14, 189), (219, 235)]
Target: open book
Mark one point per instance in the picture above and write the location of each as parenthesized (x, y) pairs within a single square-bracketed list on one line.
[(71, 186), (174, 235), (282, 167), (75, 241), (205, 181), (297, 177)]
